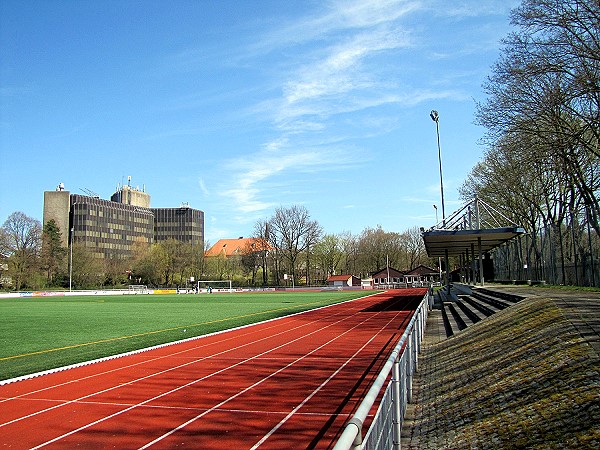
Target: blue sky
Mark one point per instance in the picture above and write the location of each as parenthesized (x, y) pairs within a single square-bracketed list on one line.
[(239, 107)]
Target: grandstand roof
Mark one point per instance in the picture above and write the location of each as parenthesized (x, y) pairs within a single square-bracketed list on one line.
[(475, 226), (457, 242), (233, 247)]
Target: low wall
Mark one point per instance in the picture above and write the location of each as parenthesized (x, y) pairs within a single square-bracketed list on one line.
[(29, 294)]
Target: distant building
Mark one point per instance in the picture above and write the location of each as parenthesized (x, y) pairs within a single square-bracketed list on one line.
[(184, 224), (110, 228), (388, 278), (421, 275), (131, 196), (343, 281), (238, 247)]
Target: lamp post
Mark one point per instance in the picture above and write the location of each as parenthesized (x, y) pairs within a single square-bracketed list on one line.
[(436, 118), (71, 261)]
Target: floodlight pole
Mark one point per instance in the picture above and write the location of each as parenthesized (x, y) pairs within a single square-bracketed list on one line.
[(436, 118)]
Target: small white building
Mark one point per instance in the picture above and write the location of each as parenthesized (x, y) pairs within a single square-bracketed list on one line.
[(343, 281)]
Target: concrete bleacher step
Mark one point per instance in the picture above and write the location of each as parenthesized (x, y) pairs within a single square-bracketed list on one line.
[(446, 320), (471, 306), (512, 298), (491, 300), (484, 309), (457, 319)]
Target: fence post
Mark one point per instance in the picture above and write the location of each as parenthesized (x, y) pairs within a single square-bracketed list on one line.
[(416, 334), (409, 363), (397, 414)]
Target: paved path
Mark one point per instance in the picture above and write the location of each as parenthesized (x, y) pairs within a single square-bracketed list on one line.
[(428, 425)]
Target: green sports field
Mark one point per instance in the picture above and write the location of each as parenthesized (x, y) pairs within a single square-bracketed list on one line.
[(41, 333)]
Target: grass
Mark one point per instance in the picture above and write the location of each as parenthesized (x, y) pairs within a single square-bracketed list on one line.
[(524, 378), (42, 333), (563, 287)]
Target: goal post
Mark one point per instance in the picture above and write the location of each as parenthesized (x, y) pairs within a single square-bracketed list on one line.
[(214, 286), (138, 289)]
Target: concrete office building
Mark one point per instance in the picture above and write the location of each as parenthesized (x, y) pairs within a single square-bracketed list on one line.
[(184, 224), (110, 228)]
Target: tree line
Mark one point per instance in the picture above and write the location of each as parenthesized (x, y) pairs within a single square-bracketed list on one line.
[(294, 245), (541, 164)]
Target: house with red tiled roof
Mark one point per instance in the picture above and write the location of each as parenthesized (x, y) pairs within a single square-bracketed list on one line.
[(237, 247), (343, 281)]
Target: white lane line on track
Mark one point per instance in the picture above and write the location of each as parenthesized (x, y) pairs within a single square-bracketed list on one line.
[(191, 382), (214, 355), (321, 386), (217, 406)]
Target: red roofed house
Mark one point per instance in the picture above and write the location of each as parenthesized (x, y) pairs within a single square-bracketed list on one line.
[(343, 280), (237, 247)]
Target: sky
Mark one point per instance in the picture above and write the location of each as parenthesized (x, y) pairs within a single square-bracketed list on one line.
[(239, 107)]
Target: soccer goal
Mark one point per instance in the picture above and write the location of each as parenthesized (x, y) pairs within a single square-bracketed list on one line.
[(214, 286), (138, 289)]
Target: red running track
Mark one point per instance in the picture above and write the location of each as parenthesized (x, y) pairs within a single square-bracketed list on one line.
[(290, 382)]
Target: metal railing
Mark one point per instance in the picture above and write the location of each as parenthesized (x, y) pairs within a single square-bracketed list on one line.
[(386, 427)]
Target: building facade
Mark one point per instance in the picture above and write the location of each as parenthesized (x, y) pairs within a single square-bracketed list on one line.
[(184, 224), (110, 229)]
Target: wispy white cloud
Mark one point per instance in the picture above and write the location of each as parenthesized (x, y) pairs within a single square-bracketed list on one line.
[(254, 171), (320, 83), (335, 17), (334, 68), (203, 187)]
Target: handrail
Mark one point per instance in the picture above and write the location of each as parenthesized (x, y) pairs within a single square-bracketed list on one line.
[(351, 437)]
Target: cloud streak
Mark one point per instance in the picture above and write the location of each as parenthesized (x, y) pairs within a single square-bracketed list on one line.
[(321, 84)]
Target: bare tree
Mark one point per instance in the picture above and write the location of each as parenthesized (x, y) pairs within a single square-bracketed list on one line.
[(378, 248), (261, 232), (544, 90), (415, 247), (292, 232), (20, 241)]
